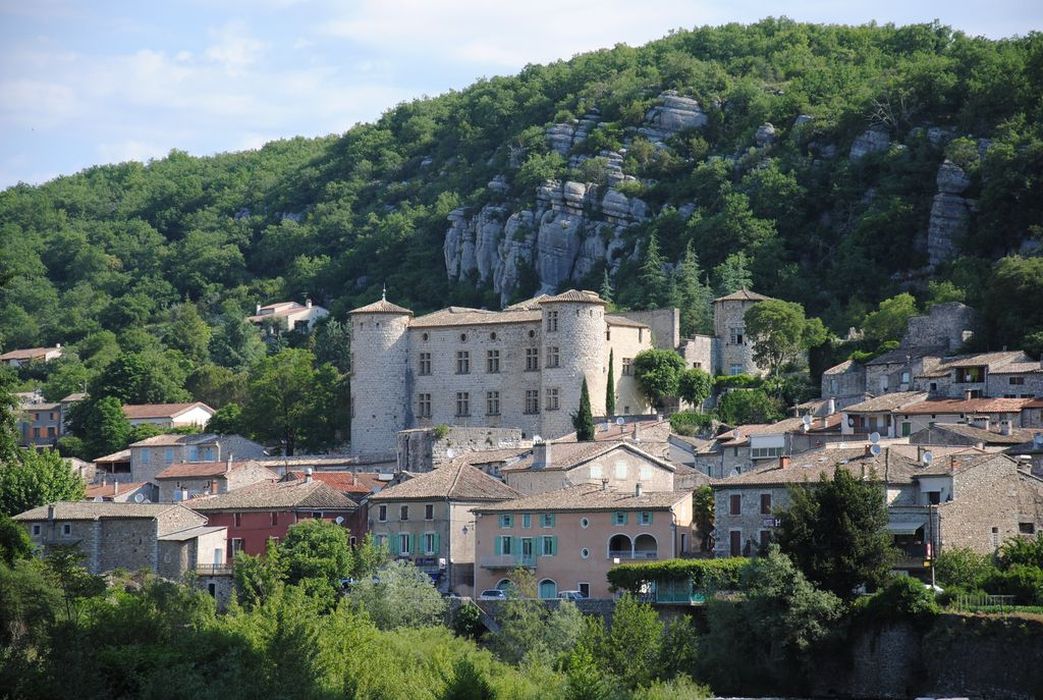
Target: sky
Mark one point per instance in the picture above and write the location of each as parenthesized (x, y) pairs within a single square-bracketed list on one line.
[(85, 83)]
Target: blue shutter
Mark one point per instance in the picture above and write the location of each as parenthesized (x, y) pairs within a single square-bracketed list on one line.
[(499, 546), (393, 539), (438, 544), (554, 545)]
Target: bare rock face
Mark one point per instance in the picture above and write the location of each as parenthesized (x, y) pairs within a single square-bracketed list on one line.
[(950, 212), (870, 141), (564, 137), (951, 179), (672, 115), (766, 134)]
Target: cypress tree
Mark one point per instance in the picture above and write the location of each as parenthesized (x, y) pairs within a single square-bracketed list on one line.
[(610, 391), (654, 282), (583, 420)]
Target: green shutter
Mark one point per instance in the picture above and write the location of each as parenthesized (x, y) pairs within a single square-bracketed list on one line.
[(527, 520), (516, 547), (499, 546), (651, 517), (554, 546), (412, 544), (438, 544), (393, 540)]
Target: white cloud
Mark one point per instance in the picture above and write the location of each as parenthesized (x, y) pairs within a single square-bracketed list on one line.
[(235, 49), (37, 104)]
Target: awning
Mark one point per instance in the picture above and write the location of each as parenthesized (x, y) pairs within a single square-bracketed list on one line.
[(906, 526)]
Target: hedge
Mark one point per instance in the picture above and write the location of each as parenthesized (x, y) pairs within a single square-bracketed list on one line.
[(703, 573)]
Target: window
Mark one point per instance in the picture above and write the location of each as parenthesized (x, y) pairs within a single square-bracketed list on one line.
[(425, 363), (145, 455), (429, 543), (584, 523), (237, 519), (552, 357), (1027, 528), (934, 497), (735, 369), (382, 540), (646, 517), (527, 520), (1017, 380), (50, 431), (316, 515), (463, 403), (585, 553), (403, 543), (492, 403), (526, 548), (353, 541), (595, 471), (765, 504), (429, 512), (550, 546), (463, 362), (761, 452), (382, 513), (620, 518), (275, 518), (547, 520), (36, 529), (168, 455), (735, 335), (504, 544), (765, 536), (552, 399), (506, 520), (995, 537), (552, 321), (735, 505), (237, 545), (403, 512), (832, 386), (532, 401), (532, 359), (628, 366), (423, 405), (905, 377), (66, 529)]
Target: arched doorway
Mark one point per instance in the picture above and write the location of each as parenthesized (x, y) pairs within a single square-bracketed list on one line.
[(548, 589), (645, 547), (620, 546)]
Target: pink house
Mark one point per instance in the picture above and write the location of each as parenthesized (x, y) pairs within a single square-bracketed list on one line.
[(571, 537)]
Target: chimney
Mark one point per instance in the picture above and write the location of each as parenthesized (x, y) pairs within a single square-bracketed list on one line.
[(952, 463), (115, 488), (633, 434), (979, 445), (967, 394), (228, 464), (307, 303), (831, 406), (307, 475), (637, 489), (50, 512), (184, 494), (869, 450), (1006, 427), (865, 474), (604, 484), (825, 421), (257, 311), (541, 455), (920, 449), (982, 422), (784, 461)]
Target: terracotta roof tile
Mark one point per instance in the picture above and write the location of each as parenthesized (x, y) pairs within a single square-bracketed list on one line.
[(284, 495), (196, 470), (574, 296), (934, 406), (463, 316), (161, 410), (887, 402), (111, 490), (27, 353), (345, 482), (456, 481), (383, 306)]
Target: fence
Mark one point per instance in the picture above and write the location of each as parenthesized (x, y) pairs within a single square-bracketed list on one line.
[(973, 601)]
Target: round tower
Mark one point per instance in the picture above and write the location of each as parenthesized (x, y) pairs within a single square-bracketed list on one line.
[(735, 354), (380, 377), (573, 348)]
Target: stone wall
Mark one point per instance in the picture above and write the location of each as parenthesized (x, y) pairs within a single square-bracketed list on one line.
[(729, 316), (420, 449), (579, 337), (381, 382), (128, 544), (984, 511), (665, 325), (948, 325)]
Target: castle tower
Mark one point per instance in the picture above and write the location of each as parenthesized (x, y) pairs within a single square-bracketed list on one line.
[(381, 378), (572, 347), (734, 352)]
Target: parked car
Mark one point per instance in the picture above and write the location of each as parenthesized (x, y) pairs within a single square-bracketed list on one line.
[(493, 594), (572, 595)]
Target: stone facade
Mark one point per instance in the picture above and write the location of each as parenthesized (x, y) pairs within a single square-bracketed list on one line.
[(179, 488), (985, 510), (621, 467), (948, 326), (734, 351), (152, 455), (421, 449)]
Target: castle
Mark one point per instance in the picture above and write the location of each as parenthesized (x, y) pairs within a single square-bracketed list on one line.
[(521, 367)]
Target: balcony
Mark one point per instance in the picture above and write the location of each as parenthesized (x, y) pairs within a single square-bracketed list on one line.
[(214, 569), (508, 561), (627, 554)]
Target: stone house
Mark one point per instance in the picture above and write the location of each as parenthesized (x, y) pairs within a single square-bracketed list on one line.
[(152, 455), (571, 537), (117, 492), (1029, 454), (877, 415), (167, 539), (170, 415), (620, 465), (428, 519), (26, 356), (977, 432), (1032, 414), (39, 421), (845, 383), (265, 511), (733, 348), (423, 449), (185, 480), (1002, 413), (1010, 374), (289, 315)]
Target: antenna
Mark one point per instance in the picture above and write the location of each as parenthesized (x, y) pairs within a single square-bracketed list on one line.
[(874, 437), (139, 497), (875, 450), (927, 458)]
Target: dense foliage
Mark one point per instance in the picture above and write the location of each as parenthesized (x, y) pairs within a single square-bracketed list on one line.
[(704, 574)]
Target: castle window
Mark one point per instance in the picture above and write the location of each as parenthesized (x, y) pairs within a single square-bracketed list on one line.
[(532, 359), (532, 401), (552, 399), (735, 369), (552, 357), (532, 334), (492, 362), (552, 321), (628, 366), (424, 336), (492, 403), (735, 335), (463, 337), (463, 362), (492, 336), (423, 407), (425, 363), (463, 403)]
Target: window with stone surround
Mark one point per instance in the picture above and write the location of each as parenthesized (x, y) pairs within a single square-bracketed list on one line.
[(552, 321), (382, 513), (425, 363), (765, 504), (429, 511), (403, 512), (463, 362), (735, 334), (532, 401), (492, 362), (628, 366), (552, 399), (552, 357), (735, 504), (492, 403), (532, 359), (423, 406), (463, 403)]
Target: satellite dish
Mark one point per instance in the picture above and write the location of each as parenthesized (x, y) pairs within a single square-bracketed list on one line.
[(536, 439), (339, 519), (875, 450), (450, 453), (928, 457), (851, 422), (806, 420), (139, 498), (99, 499), (874, 437), (735, 433), (733, 472), (1037, 439), (620, 421)]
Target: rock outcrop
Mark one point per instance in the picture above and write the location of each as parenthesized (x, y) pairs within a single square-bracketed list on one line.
[(766, 134), (673, 114), (870, 141), (950, 212)]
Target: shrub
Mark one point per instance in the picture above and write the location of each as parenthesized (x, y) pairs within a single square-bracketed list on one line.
[(902, 598), (1023, 582), (1022, 550), (963, 568), (690, 422), (723, 574)]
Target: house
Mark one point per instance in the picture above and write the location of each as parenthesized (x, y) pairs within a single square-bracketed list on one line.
[(113, 465), (979, 432), (556, 465), (1029, 453), (1007, 373), (265, 511), (954, 498), (1005, 413), (289, 315), (39, 421), (845, 383), (428, 519), (185, 480), (876, 415), (152, 455), (116, 492), (571, 537), (26, 356), (1032, 413), (170, 415), (423, 449), (167, 539)]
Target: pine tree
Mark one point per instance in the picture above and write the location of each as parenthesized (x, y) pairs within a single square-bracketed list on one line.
[(654, 282), (610, 390), (733, 274), (606, 288), (692, 296), (583, 420)]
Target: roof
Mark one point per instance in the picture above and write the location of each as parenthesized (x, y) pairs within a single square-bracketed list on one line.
[(195, 470), (1034, 403), (178, 439), (934, 406), (647, 431), (109, 490), (39, 406), (73, 398), (742, 295), (270, 496), (590, 497), (383, 306), (91, 510), (574, 296), (903, 355), (976, 434), (569, 455), (162, 410), (845, 366), (345, 482), (1004, 357), (121, 456), (27, 353), (464, 316), (283, 308), (887, 402), (456, 481), (615, 320), (810, 466), (191, 533)]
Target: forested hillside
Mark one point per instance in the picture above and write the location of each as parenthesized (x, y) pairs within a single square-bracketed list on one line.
[(825, 165)]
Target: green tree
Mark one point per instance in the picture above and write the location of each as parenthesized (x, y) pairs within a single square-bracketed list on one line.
[(888, 322), (702, 516), (8, 416), (779, 332), (606, 292), (101, 425), (186, 331), (368, 556), (226, 420), (34, 479), (257, 578), (399, 595), (836, 532), (692, 296), (747, 406), (610, 388), (236, 343), (694, 386), (316, 549), (1012, 316), (733, 274), (633, 643), (658, 374), (583, 420), (216, 386), (14, 540), (962, 567), (653, 279), (333, 344), (139, 378)]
